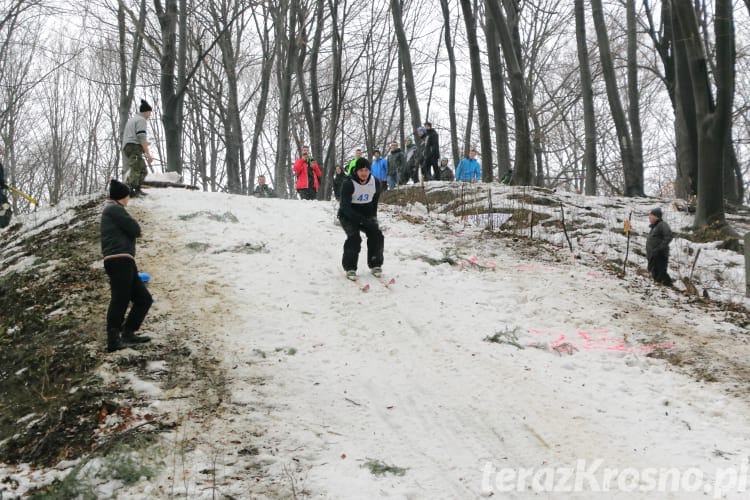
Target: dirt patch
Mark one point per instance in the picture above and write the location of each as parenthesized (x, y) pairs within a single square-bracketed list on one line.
[(49, 395), (54, 296)]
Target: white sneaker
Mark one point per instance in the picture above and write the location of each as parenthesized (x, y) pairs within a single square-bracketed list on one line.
[(377, 272), (351, 275)]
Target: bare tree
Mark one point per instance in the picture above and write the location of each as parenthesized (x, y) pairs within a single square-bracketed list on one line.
[(128, 71), (227, 23), (587, 91), (268, 56), (478, 88), (712, 119), (634, 100), (405, 61), (452, 80), (285, 22), (519, 97), (633, 177), (497, 82)]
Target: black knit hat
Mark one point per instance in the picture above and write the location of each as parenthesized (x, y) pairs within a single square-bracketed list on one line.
[(144, 106), (656, 212), (361, 163), (118, 190)]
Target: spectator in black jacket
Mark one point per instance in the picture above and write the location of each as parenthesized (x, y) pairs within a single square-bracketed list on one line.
[(413, 160), (338, 181), (430, 167), (118, 234), (5, 210), (657, 247), (359, 212), (396, 165)]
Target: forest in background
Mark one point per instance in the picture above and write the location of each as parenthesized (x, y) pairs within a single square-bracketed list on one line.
[(598, 97)]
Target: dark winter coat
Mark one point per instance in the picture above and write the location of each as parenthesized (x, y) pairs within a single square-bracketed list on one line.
[(431, 146), (263, 191), (338, 181), (657, 242), (413, 158), (446, 174), (396, 162), (118, 231), (5, 211), (358, 210)]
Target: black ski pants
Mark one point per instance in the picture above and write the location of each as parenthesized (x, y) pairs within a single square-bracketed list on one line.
[(353, 243), (126, 286), (307, 194), (658, 265), (431, 170)]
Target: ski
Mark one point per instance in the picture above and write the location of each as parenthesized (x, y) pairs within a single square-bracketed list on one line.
[(362, 287), (386, 282)]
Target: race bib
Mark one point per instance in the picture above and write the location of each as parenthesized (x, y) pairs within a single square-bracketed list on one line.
[(364, 193)]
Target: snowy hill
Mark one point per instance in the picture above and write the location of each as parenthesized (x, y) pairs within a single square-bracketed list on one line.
[(499, 363)]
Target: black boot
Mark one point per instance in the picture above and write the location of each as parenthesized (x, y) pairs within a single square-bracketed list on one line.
[(129, 337), (113, 340)]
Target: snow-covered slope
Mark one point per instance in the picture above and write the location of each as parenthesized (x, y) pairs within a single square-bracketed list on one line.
[(491, 367)]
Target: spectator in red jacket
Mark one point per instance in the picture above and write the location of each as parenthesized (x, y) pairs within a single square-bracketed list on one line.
[(308, 175)]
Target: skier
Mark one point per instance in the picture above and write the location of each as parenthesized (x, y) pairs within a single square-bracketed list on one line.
[(358, 212)]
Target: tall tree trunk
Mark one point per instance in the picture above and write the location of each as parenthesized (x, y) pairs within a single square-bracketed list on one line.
[(337, 44), (317, 119), (469, 123), (732, 172), (231, 119), (308, 93), (128, 74), (485, 136), (634, 100), (633, 180), (536, 143), (497, 81), (435, 68), (172, 87), (524, 160), (686, 121), (587, 94), (269, 56), (713, 121), (405, 60), (452, 82), (285, 35)]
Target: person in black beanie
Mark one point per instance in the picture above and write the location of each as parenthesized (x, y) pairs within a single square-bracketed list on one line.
[(657, 247), (134, 146), (118, 234), (358, 211)]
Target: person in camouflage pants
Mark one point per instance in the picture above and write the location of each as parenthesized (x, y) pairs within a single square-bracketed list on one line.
[(135, 146)]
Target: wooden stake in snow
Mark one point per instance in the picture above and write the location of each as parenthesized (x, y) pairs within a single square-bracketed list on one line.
[(627, 247), (565, 229)]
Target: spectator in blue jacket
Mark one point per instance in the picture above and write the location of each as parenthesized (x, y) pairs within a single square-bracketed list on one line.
[(468, 169), (379, 168)]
